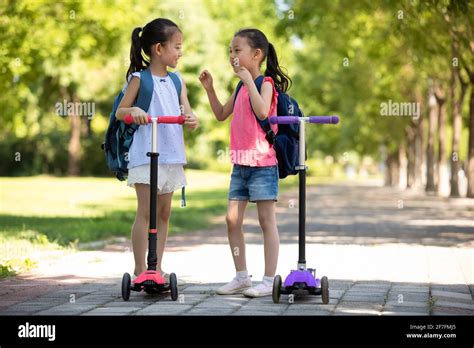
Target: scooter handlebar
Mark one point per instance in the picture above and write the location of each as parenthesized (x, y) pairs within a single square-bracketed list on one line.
[(284, 119), (310, 119), (128, 119), (324, 119)]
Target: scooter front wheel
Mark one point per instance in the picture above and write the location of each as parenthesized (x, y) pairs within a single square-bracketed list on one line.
[(126, 283), (174, 286), (325, 289), (276, 289)]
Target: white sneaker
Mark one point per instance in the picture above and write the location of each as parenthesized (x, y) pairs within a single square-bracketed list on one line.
[(259, 291), (235, 286)]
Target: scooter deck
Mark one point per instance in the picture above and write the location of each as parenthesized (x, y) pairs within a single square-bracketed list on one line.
[(150, 282), (304, 280)]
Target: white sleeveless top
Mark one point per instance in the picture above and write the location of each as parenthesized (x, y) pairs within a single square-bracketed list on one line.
[(164, 102)]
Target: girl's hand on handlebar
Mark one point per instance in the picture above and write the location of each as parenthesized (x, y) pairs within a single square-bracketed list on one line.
[(191, 121), (139, 116)]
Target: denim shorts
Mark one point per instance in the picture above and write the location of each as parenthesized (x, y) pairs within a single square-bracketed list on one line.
[(254, 183)]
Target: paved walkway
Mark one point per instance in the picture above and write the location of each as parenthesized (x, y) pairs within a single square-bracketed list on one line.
[(385, 252)]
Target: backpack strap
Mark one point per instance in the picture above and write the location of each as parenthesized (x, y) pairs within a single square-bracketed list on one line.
[(177, 82), (258, 83), (145, 91), (264, 124)]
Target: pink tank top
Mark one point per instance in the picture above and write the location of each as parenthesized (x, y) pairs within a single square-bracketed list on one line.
[(248, 146)]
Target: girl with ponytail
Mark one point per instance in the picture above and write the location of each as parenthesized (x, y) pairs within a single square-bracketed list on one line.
[(156, 47), (255, 171)]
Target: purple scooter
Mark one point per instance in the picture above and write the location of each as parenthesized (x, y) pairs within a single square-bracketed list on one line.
[(302, 279)]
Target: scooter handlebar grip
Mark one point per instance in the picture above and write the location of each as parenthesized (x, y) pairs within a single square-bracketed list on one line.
[(283, 119), (296, 119), (128, 119), (171, 119), (324, 119)]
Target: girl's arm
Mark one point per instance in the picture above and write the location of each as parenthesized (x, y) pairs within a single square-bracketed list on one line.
[(261, 102), (191, 119), (222, 112), (126, 104)]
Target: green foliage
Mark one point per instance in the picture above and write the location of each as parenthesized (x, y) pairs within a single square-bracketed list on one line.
[(357, 55), (345, 58), (6, 271)]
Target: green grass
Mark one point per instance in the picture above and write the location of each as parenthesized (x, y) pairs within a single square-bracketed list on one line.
[(68, 210), (45, 213), (7, 271)]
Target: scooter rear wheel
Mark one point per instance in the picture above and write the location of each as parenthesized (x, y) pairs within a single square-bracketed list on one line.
[(276, 289), (325, 289), (173, 286), (126, 281)]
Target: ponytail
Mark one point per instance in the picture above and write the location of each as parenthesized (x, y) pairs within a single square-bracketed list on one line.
[(136, 59), (282, 81)]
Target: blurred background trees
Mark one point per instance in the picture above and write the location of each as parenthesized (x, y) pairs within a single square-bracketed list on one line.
[(354, 59)]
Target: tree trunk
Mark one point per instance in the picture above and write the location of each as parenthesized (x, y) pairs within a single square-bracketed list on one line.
[(388, 176), (74, 147), (457, 129), (402, 167), (457, 126), (443, 175), (410, 132), (430, 152), (414, 136), (392, 173), (86, 129), (470, 158), (419, 151)]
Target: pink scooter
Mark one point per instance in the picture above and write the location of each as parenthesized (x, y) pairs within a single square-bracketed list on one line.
[(151, 281)]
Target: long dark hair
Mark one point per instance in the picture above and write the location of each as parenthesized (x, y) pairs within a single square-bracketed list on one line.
[(158, 30), (257, 39)]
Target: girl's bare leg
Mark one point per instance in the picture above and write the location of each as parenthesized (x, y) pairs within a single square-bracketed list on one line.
[(234, 220), (271, 239)]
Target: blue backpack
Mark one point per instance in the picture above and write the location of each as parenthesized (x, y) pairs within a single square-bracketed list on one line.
[(286, 141), (119, 136)]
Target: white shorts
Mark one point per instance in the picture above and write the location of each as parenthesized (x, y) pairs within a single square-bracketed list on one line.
[(170, 177)]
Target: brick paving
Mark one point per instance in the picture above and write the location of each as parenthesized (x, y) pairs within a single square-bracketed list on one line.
[(386, 252)]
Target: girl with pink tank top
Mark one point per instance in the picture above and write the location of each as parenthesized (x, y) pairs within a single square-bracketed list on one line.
[(255, 169), (248, 144)]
